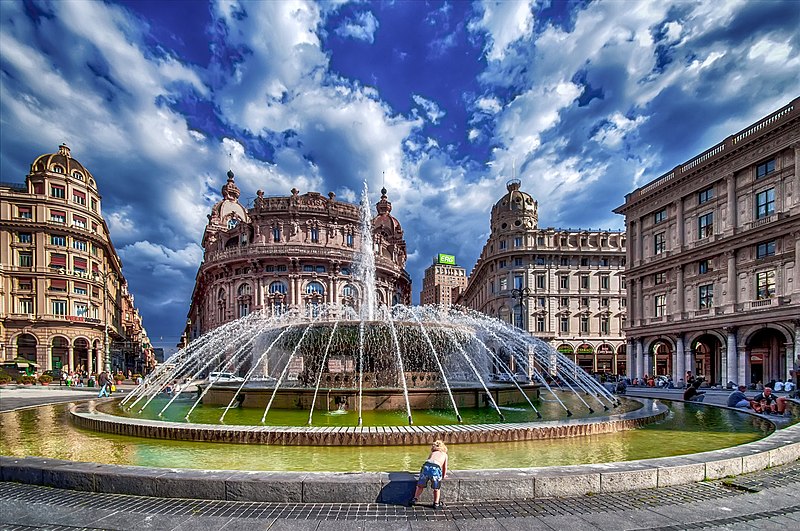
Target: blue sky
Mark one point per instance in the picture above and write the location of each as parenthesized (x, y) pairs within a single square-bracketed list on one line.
[(436, 100)]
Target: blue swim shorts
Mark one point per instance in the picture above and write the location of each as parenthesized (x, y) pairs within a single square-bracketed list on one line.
[(430, 472)]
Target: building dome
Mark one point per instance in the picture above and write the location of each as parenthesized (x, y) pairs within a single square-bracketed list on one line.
[(516, 209), (61, 162), (384, 221)]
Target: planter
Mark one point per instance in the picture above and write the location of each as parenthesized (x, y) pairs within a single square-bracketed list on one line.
[(119, 382), (45, 383)]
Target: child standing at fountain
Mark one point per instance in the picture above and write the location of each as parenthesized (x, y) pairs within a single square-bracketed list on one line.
[(434, 470)]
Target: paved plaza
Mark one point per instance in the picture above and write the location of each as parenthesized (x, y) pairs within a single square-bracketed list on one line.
[(762, 500)]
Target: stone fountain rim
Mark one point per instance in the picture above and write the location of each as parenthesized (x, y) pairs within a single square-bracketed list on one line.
[(87, 416)]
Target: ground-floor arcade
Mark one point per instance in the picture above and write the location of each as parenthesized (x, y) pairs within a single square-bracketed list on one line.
[(748, 354), (73, 349)]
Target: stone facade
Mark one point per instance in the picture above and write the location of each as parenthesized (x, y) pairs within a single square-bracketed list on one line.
[(61, 280), (712, 259), (442, 284), (291, 252), (564, 286)]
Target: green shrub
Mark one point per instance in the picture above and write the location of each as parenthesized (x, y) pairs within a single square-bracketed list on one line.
[(45, 379), (26, 379)]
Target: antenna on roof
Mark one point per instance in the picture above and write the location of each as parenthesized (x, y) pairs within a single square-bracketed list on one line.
[(513, 168), (383, 179)]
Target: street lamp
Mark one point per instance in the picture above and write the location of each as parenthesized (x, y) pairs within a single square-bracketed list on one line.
[(521, 294)]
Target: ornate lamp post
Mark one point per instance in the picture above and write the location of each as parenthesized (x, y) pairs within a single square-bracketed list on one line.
[(521, 294)]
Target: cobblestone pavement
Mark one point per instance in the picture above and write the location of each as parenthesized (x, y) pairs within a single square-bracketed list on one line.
[(763, 500)]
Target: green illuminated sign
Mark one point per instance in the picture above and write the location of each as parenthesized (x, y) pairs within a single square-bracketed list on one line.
[(447, 259)]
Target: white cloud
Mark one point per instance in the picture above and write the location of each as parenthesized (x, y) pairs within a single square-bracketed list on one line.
[(504, 22), (431, 109), (362, 27)]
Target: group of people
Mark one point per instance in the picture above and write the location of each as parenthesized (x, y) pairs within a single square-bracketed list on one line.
[(765, 402)]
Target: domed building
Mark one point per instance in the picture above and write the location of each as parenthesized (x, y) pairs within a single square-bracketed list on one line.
[(65, 302), (293, 251), (565, 286)]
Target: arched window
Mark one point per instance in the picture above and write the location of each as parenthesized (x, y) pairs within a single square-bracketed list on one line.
[(244, 290), (243, 308), (221, 294), (232, 223), (349, 240), (315, 288), (78, 175), (350, 291), (58, 169), (277, 287)]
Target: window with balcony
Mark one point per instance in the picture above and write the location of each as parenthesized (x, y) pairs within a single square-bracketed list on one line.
[(540, 281), (25, 259), (660, 303), (277, 287), (660, 216), (59, 192), (659, 278), (315, 288), (659, 243), (765, 203), (24, 237), (25, 306), (705, 225), (564, 281), (59, 240), (765, 168), (704, 196), (765, 285), (705, 296), (605, 282), (565, 325), (763, 250)]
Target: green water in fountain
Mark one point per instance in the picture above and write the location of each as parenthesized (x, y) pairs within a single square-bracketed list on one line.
[(550, 409), (47, 432)]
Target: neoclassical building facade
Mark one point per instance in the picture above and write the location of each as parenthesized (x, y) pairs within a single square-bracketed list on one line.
[(292, 251), (64, 302), (712, 259), (564, 286)]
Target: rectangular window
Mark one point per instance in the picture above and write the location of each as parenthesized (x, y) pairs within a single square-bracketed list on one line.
[(25, 259), (540, 260), (24, 237), (540, 279), (660, 216), (542, 302), (502, 245), (280, 268), (308, 268), (349, 240), (584, 325), (79, 245), (78, 197), (503, 284), (93, 203), (585, 302), (24, 212), (25, 284), (315, 235), (564, 261), (659, 278), (59, 307), (584, 262), (58, 284), (705, 296), (604, 262), (491, 286), (659, 243), (622, 283), (78, 221), (518, 241), (623, 302), (564, 302), (57, 239), (605, 327), (81, 309), (705, 225), (564, 325), (765, 249), (518, 281), (25, 306), (564, 279), (94, 250), (765, 203), (502, 264), (660, 305), (79, 265), (58, 216), (765, 285), (540, 240), (765, 168), (79, 288), (703, 267), (604, 302), (563, 241), (38, 188), (517, 262), (704, 196), (584, 281), (605, 281), (540, 324), (57, 191)]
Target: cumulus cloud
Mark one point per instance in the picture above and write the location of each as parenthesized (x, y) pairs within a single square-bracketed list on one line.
[(362, 27), (431, 109), (503, 22)]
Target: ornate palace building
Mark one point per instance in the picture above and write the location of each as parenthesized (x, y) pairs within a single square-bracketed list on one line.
[(294, 251), (564, 286), (443, 282), (64, 302), (712, 262)]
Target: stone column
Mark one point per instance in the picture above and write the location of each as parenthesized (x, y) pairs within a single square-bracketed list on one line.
[(70, 357), (639, 301), (639, 242), (732, 372), (639, 358), (731, 182), (679, 291), (680, 359), (89, 360), (679, 228), (688, 360), (743, 366), (732, 284), (629, 359)]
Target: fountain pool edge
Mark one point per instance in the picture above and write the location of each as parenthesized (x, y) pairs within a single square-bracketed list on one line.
[(778, 448), (85, 415)]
